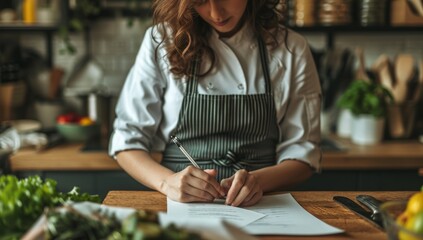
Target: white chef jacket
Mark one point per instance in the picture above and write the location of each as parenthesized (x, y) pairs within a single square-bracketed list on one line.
[(151, 98)]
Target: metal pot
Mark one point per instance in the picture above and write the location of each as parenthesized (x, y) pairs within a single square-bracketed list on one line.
[(99, 108)]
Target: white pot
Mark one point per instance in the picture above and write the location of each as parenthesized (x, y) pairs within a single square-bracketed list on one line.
[(366, 129), (343, 126)]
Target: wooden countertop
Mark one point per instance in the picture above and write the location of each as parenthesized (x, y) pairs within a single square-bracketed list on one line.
[(67, 157), (320, 204), (406, 154), (386, 155)]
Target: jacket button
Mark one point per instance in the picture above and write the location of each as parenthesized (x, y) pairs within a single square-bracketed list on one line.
[(210, 86), (241, 87)]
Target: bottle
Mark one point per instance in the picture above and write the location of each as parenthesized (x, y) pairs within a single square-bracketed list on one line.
[(29, 9)]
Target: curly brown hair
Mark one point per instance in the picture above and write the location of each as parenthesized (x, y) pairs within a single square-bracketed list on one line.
[(185, 34)]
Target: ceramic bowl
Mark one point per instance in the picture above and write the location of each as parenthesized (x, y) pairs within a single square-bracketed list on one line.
[(74, 132)]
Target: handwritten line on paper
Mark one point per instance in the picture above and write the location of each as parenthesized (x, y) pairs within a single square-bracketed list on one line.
[(237, 216)]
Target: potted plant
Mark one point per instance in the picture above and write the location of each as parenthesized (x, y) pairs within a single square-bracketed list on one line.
[(367, 101)]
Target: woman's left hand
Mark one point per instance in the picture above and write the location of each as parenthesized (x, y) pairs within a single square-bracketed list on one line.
[(242, 189)]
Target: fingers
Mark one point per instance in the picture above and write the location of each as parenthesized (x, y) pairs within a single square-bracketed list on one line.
[(211, 172), (206, 181), (255, 198), (226, 184), (186, 193), (237, 183), (194, 185), (244, 189)]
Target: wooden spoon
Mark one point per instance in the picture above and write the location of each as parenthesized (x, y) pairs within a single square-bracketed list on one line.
[(417, 6), (361, 74), (419, 88), (383, 68), (404, 70)]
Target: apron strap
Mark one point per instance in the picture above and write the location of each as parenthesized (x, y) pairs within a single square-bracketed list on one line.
[(265, 64), (192, 86), (230, 160)]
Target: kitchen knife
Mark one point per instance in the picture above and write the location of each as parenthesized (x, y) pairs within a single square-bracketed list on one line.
[(357, 209), (372, 204)]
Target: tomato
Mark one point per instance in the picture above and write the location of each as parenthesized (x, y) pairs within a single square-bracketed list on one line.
[(62, 119), (68, 118)]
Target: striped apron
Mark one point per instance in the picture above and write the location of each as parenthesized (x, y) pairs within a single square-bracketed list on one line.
[(226, 132)]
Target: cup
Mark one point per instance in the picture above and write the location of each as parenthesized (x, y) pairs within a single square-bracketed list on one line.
[(47, 112)]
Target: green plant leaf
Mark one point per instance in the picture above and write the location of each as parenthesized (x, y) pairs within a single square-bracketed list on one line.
[(364, 97), (22, 201)]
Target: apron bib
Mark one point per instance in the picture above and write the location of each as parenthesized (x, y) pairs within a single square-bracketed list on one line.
[(226, 132)]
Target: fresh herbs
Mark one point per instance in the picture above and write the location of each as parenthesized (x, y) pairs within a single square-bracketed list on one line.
[(145, 225), (70, 224), (366, 97), (22, 201)]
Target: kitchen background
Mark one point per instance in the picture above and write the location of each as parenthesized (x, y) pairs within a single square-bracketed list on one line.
[(104, 54)]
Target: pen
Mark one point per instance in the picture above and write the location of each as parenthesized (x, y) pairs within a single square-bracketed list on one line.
[(176, 141)]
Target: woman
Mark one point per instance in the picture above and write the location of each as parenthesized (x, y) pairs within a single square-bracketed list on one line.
[(238, 89)]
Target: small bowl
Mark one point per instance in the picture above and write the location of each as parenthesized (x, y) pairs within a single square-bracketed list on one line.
[(74, 132), (390, 211)]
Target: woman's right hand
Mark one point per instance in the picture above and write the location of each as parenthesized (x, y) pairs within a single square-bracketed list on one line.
[(193, 185)]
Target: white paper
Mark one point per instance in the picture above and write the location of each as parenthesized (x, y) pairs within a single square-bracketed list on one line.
[(282, 216), (239, 217)]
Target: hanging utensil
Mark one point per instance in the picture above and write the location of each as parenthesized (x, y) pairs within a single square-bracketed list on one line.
[(361, 73), (385, 72), (404, 72), (416, 7), (383, 69), (419, 88)]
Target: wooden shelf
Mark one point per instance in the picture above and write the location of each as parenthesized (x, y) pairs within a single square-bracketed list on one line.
[(331, 31), (47, 29), (356, 29), (36, 27)]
